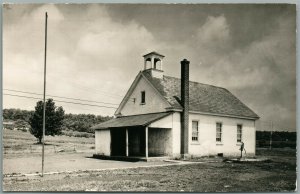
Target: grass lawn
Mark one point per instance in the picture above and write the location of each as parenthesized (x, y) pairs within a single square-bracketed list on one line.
[(276, 175), (204, 177), (20, 144)]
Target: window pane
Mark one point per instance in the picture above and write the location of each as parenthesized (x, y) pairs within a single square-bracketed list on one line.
[(219, 132), (195, 130), (239, 133), (195, 125), (143, 97)]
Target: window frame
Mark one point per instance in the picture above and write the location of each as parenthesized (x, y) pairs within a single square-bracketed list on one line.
[(221, 132), (197, 140), (239, 135), (143, 97)]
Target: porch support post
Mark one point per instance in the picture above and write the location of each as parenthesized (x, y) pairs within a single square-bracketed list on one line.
[(127, 142), (146, 135), (152, 62)]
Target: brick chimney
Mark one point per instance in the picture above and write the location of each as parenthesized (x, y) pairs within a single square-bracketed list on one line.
[(185, 104)]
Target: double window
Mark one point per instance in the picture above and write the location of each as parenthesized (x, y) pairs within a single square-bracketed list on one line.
[(239, 133), (195, 130), (218, 132)]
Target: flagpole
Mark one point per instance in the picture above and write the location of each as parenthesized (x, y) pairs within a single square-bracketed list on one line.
[(44, 109)]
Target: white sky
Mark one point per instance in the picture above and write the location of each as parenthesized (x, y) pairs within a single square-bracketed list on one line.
[(95, 51)]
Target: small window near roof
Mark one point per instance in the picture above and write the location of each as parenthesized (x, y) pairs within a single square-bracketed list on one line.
[(143, 97), (195, 131), (219, 132), (239, 133)]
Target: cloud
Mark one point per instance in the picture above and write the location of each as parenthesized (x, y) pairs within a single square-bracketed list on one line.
[(263, 61), (214, 33), (114, 40), (262, 73), (96, 49), (84, 52), (268, 69)]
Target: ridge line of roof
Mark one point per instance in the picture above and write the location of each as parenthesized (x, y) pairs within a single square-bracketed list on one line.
[(197, 82), (190, 81)]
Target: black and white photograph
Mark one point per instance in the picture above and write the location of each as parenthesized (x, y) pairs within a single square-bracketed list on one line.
[(149, 97)]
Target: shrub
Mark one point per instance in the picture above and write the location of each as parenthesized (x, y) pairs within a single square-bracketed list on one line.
[(78, 134)]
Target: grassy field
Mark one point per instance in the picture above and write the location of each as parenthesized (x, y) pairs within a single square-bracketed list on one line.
[(277, 175), (18, 143)]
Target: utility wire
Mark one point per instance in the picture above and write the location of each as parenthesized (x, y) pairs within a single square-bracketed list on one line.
[(90, 109), (60, 97), (93, 105), (98, 91), (80, 86), (87, 88), (23, 96)]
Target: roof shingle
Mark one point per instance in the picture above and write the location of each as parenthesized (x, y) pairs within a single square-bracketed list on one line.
[(203, 98), (130, 121)]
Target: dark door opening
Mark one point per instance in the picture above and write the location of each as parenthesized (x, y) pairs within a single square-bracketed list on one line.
[(118, 142), (136, 140)]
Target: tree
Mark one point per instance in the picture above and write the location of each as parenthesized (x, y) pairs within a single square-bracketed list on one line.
[(82, 122), (54, 120), (16, 114)]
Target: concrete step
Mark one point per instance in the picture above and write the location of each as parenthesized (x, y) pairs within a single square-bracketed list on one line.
[(132, 158)]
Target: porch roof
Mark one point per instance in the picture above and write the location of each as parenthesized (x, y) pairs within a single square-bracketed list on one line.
[(131, 121)]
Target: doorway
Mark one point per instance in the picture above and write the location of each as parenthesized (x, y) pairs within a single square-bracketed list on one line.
[(118, 142)]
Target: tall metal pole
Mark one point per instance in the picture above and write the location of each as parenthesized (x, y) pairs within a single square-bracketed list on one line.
[(44, 110)]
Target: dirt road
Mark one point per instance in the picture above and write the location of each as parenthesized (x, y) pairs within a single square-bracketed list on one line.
[(60, 162)]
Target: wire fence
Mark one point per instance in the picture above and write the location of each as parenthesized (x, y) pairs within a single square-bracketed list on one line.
[(264, 125), (270, 134)]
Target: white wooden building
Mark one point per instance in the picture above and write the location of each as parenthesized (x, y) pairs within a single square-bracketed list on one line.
[(166, 116)]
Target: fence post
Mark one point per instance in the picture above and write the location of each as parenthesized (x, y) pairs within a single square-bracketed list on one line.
[(271, 136)]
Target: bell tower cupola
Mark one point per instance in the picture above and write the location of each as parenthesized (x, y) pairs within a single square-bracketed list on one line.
[(153, 62)]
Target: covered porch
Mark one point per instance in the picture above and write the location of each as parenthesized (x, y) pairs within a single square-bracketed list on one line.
[(134, 138)]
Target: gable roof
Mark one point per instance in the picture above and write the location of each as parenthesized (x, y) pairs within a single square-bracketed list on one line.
[(155, 53), (203, 98), (132, 87), (130, 121)]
